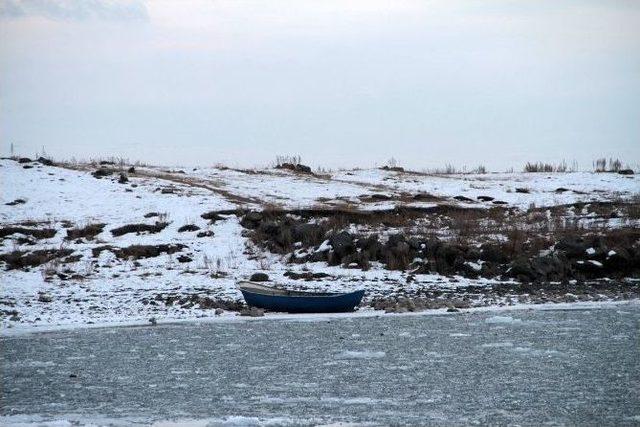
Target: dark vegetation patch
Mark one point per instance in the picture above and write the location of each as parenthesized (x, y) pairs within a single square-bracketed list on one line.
[(146, 251), (292, 163), (123, 178), (42, 233), (138, 251), (212, 216), (45, 161), (188, 227), (139, 228), (295, 168), (151, 214), (88, 232), (102, 172), (21, 259), (539, 245), (392, 168)]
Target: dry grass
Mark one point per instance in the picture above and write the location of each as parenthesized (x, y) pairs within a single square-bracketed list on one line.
[(89, 231), (139, 228)]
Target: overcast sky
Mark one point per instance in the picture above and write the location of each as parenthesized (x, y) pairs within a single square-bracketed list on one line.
[(339, 82)]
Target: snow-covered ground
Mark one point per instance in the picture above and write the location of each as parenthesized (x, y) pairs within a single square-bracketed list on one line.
[(101, 288)]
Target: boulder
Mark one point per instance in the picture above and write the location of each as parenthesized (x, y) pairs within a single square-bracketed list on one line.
[(252, 312), (573, 247), (259, 277), (550, 268), (521, 269), (251, 219), (342, 244)]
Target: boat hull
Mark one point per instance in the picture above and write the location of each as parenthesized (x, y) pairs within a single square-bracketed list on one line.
[(304, 304)]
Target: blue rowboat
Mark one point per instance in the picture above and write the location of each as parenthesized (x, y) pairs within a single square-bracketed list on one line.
[(275, 299)]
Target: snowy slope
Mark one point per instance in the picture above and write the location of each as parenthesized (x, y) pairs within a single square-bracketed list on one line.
[(107, 289)]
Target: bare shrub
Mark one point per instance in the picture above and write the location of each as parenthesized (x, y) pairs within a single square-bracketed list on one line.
[(293, 160)]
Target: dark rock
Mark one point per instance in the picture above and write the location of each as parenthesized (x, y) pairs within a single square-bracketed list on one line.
[(522, 190), (45, 161), (499, 202), (251, 219), (107, 162), (485, 198), (621, 260), (572, 247), (307, 275), (252, 312), (27, 167), (123, 179), (24, 160), (131, 170), (44, 298), (259, 277), (492, 253), (102, 172), (212, 216), (342, 244), (206, 233), (521, 269), (448, 259), (16, 202), (626, 172), (184, 258), (561, 190), (167, 190), (550, 268)]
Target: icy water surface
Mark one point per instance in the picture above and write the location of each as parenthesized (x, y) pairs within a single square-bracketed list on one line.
[(561, 367)]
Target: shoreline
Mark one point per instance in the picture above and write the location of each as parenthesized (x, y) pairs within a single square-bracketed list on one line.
[(19, 331)]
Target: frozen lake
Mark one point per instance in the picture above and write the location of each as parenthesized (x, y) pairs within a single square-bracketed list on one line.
[(528, 367)]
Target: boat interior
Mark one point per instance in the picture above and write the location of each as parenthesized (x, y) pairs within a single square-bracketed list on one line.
[(268, 290)]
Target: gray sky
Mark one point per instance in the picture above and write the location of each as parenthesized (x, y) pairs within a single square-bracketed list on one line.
[(340, 82)]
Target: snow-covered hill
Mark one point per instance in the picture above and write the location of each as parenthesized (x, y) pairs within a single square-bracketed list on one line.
[(63, 263)]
